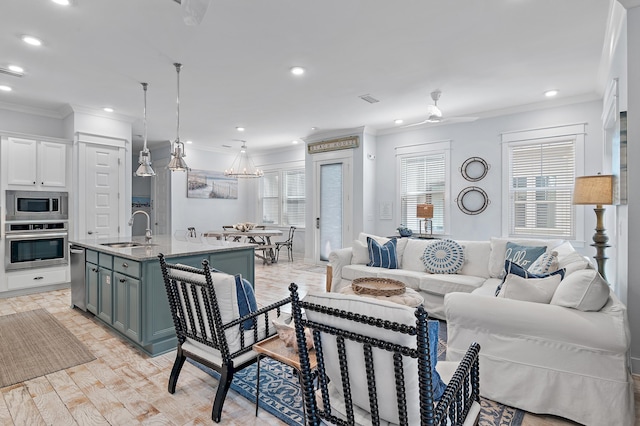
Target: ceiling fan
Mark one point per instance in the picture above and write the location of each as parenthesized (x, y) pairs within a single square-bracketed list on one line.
[(193, 11), (434, 114)]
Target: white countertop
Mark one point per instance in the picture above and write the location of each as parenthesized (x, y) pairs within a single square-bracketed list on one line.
[(165, 244)]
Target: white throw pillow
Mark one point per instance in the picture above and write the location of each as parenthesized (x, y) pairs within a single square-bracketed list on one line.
[(546, 263), (584, 290), (476, 258), (412, 258), (359, 253), (538, 290), (573, 262), (499, 248)]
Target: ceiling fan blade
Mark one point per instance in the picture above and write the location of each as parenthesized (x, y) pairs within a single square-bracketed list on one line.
[(458, 119), (415, 124), (193, 11)]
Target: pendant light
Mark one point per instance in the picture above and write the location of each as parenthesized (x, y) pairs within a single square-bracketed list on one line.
[(145, 156), (243, 166), (177, 163)]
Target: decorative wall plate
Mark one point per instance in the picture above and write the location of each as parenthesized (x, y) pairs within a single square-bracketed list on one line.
[(472, 200), (474, 169)]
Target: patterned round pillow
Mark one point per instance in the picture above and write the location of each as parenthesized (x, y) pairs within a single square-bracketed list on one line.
[(443, 257)]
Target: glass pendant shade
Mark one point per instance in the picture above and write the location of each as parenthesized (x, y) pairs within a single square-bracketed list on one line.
[(145, 169), (177, 163), (243, 166)]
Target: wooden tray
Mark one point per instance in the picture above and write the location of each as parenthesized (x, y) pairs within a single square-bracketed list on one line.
[(377, 286)]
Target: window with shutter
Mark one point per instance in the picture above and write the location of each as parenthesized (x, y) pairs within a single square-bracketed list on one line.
[(283, 197), (541, 178), (422, 180)]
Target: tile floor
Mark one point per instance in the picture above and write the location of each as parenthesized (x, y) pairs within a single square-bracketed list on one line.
[(125, 387)]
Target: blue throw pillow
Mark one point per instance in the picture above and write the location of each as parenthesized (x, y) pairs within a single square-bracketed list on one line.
[(246, 300), (513, 268), (382, 256), (523, 255), (433, 328)]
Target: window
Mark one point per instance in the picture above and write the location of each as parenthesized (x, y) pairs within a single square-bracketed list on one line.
[(422, 180), (541, 178), (283, 198)]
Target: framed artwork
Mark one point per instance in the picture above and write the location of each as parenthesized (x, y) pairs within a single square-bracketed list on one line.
[(211, 184)]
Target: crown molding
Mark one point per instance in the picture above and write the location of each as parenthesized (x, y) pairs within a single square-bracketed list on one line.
[(102, 114), (58, 113), (629, 4)]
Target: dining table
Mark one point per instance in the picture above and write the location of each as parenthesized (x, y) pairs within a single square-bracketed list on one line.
[(265, 249)]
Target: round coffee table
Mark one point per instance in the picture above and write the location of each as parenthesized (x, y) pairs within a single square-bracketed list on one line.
[(410, 297)]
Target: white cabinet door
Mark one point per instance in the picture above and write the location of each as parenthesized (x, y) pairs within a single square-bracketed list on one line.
[(52, 159), (36, 163), (102, 180), (21, 164)]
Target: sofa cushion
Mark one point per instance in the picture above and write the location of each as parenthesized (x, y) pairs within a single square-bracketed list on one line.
[(411, 259), (547, 262), (573, 262), (382, 255), (411, 279), (476, 258), (351, 272), (538, 290), (515, 269), (584, 290), (359, 253), (499, 248), (443, 257), (447, 283)]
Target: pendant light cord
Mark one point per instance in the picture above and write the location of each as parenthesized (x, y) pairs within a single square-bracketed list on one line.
[(144, 87), (178, 67)]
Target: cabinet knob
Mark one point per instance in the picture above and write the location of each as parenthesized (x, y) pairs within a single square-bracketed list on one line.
[(125, 265), (34, 183), (90, 232), (122, 280), (38, 278), (94, 269)]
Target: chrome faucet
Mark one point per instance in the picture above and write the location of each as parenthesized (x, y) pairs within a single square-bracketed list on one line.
[(147, 234)]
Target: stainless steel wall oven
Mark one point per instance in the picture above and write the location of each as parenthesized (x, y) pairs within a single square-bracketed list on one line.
[(35, 245)]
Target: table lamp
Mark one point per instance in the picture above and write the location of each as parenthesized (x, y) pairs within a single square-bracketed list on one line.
[(598, 190), (425, 213)]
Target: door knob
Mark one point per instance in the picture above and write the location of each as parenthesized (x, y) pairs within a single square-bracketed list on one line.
[(90, 232)]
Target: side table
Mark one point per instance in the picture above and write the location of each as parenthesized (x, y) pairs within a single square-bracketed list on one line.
[(275, 348)]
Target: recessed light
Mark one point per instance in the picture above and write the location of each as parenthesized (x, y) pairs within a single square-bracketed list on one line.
[(294, 142), (189, 141), (5, 88), (240, 129), (550, 93), (16, 68), (398, 121), (107, 109), (297, 70), (62, 2), (314, 128), (31, 40)]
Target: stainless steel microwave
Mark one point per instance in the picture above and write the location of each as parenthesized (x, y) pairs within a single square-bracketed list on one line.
[(37, 205)]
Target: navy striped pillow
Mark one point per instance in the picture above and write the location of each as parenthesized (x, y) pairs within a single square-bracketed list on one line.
[(382, 256)]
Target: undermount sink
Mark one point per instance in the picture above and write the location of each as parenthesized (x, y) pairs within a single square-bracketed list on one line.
[(127, 244)]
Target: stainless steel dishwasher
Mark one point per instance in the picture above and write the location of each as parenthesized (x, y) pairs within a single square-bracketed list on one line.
[(77, 269)]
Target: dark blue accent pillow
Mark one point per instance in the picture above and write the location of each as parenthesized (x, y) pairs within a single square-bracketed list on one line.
[(523, 255), (382, 256), (433, 328), (513, 268), (246, 300)]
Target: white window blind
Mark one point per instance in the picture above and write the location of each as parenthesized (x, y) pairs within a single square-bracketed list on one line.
[(294, 198), (423, 181), (283, 198), (271, 198), (541, 178)]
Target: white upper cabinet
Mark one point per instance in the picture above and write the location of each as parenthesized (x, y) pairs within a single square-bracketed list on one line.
[(36, 163)]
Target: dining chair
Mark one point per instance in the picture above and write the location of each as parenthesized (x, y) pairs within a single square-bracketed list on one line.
[(216, 321), (377, 364), (288, 243)]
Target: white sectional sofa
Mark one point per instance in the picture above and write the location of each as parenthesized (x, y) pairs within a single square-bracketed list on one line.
[(539, 357)]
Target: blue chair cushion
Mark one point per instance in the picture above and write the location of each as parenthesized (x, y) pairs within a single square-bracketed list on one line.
[(433, 328), (246, 300)]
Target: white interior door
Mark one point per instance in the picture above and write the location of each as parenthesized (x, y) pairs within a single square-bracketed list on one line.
[(332, 206), (161, 201), (102, 179)]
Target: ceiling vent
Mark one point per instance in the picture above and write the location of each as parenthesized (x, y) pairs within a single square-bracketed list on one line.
[(369, 98), (9, 72)]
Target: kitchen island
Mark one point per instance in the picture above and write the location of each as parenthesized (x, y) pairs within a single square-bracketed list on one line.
[(125, 288)]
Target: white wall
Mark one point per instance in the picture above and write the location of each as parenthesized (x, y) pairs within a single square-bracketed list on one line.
[(20, 122), (482, 139)]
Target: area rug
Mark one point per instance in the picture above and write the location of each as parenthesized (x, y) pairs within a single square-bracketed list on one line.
[(280, 392), (33, 344)]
